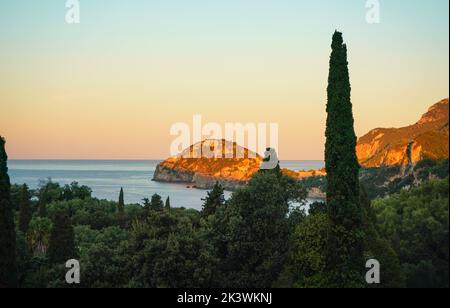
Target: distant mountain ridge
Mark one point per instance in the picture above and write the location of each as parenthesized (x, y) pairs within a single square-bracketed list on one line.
[(426, 139)]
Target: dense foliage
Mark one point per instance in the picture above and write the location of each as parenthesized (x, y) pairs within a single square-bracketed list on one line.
[(250, 232), (242, 244), (62, 241), (254, 239), (24, 209), (416, 223), (306, 266)]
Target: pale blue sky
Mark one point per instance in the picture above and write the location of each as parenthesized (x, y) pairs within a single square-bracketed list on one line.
[(231, 19)]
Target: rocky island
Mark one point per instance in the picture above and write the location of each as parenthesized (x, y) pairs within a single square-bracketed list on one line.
[(203, 172)]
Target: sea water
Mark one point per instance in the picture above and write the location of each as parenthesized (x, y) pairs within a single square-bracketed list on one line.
[(106, 177)]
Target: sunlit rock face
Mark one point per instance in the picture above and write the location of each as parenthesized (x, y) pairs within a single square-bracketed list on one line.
[(209, 161), (428, 138)]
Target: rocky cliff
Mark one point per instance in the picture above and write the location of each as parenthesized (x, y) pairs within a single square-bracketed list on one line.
[(203, 172), (426, 139)]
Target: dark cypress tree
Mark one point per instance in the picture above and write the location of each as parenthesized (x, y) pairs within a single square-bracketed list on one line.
[(214, 199), (345, 262), (121, 205), (168, 203), (121, 209), (43, 201), (8, 269), (62, 242), (25, 209)]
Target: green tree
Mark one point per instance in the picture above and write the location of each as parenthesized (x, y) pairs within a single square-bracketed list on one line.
[(416, 223), (8, 269), (121, 204), (42, 205), (62, 242), (75, 191), (168, 203), (251, 231), (380, 249), (121, 209), (102, 256), (156, 203), (214, 199), (25, 209), (39, 235), (345, 262), (167, 251), (23, 257), (306, 265), (48, 192)]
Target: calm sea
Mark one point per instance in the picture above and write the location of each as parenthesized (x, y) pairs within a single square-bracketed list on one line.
[(106, 177)]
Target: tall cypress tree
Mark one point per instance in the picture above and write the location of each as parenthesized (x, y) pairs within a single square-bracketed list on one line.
[(62, 240), (345, 249), (121, 209), (121, 205), (168, 203), (8, 270), (25, 209)]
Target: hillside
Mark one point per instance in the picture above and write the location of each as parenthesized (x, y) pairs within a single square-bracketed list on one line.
[(426, 139)]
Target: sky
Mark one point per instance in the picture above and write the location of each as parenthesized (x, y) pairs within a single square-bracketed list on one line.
[(112, 86)]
